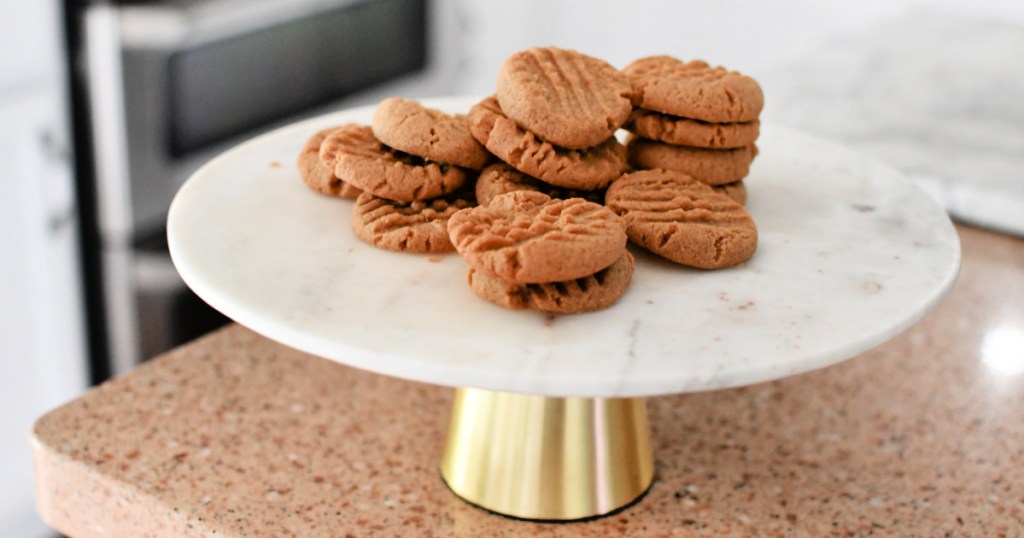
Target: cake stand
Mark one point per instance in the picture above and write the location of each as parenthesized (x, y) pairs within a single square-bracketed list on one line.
[(549, 419)]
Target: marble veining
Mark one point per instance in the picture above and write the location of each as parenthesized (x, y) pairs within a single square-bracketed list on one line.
[(934, 94), (850, 254)]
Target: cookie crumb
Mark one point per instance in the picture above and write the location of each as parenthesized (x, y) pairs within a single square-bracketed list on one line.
[(275, 164), (433, 259)]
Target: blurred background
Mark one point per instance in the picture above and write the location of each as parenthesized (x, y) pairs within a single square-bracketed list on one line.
[(106, 107)]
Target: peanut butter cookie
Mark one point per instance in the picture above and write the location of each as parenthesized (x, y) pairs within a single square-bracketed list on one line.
[(592, 292), (694, 90), (427, 132), (737, 191), (420, 226), (712, 166), (564, 97), (500, 178), (317, 176), (584, 169), (527, 237), (358, 158), (682, 219), (688, 132)]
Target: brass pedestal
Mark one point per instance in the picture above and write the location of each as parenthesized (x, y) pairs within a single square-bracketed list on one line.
[(543, 458)]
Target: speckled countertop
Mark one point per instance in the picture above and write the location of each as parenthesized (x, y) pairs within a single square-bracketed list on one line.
[(234, 435)]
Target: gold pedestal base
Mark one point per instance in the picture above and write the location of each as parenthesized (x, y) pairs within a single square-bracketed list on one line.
[(541, 458)]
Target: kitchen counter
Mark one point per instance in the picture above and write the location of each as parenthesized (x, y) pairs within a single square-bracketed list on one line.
[(234, 435)]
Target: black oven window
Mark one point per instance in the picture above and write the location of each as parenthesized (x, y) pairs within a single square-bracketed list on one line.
[(224, 89)]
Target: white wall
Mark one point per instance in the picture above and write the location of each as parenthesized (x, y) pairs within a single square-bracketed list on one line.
[(42, 345), (746, 35)]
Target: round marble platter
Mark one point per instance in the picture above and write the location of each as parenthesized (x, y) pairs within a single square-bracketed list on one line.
[(850, 254)]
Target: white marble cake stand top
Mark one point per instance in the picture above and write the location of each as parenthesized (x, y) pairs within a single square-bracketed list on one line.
[(850, 254)]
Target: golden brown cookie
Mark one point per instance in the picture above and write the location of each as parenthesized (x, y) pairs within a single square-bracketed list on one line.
[(592, 292), (500, 178), (694, 90), (420, 226), (682, 219), (688, 132), (429, 133), (564, 97), (317, 176), (527, 237), (737, 191), (712, 166), (584, 169), (357, 157)]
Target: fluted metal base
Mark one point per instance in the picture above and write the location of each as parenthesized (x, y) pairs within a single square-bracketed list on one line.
[(541, 458)]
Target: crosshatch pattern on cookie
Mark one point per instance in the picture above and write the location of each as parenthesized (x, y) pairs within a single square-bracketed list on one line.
[(589, 169), (527, 237), (564, 97), (367, 163), (682, 219), (419, 226), (694, 89)]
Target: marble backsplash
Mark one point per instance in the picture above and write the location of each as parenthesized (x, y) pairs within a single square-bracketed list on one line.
[(940, 96)]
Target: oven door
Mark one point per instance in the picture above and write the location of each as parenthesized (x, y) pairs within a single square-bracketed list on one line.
[(173, 83)]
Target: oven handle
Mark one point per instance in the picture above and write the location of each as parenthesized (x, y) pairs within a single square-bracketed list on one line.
[(174, 27)]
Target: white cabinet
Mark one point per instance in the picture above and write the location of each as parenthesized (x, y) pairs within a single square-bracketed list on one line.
[(42, 350), (42, 337)]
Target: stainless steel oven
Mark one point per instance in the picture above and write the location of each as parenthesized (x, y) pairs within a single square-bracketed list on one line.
[(165, 85)]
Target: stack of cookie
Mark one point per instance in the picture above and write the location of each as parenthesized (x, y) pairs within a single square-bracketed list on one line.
[(553, 219), (526, 250), (695, 119), (554, 118), (410, 166)]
